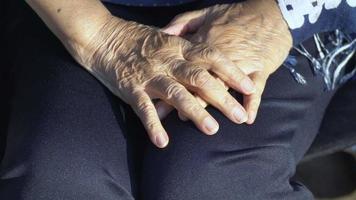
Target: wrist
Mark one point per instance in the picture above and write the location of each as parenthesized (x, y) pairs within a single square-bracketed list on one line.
[(85, 44), (84, 30), (272, 18), (115, 35)]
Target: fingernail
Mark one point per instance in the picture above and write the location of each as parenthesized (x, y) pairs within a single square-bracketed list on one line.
[(161, 140), (248, 85), (240, 115), (251, 117), (160, 111), (211, 125)]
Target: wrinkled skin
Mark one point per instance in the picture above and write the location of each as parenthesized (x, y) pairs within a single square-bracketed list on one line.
[(139, 63), (252, 34)]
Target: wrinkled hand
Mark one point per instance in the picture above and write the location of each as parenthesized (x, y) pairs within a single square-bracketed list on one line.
[(139, 63), (252, 34)]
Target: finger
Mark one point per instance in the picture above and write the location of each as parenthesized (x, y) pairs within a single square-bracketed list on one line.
[(209, 89), (186, 23), (221, 66), (145, 110), (176, 29), (182, 117), (178, 96), (163, 109), (203, 103), (252, 102), (246, 62), (248, 66)]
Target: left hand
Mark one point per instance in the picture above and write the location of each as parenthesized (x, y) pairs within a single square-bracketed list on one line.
[(252, 34)]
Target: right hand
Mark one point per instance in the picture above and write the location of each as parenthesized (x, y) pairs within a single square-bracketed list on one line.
[(139, 63), (254, 40)]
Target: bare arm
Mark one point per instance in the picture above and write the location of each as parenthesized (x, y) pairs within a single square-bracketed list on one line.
[(74, 22)]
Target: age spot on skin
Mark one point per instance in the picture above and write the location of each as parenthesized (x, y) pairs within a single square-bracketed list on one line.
[(59, 10)]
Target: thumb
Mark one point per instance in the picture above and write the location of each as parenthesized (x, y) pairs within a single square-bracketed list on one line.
[(188, 22), (252, 102)]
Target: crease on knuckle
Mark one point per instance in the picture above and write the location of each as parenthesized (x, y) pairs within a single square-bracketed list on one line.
[(209, 53), (176, 67), (199, 78), (151, 125), (254, 103), (174, 91), (201, 52), (227, 101), (192, 109), (259, 91), (144, 108), (238, 77)]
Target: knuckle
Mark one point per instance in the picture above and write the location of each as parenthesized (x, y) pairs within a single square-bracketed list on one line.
[(144, 107), (202, 52), (156, 80), (209, 52), (174, 91), (257, 65), (176, 67), (259, 92), (185, 44), (260, 86), (240, 80), (255, 103), (238, 75), (227, 101), (193, 108), (151, 124), (200, 78)]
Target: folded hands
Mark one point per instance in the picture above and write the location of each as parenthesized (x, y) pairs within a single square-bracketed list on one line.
[(191, 63)]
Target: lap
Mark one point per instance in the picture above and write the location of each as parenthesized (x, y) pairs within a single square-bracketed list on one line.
[(241, 161), (65, 123)]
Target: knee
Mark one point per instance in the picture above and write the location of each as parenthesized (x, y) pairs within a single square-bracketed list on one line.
[(45, 169), (46, 179), (260, 172), (246, 173)]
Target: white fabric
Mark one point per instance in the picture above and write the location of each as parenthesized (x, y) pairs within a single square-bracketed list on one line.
[(300, 8)]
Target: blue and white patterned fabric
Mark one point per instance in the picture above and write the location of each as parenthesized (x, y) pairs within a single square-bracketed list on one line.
[(306, 17), (148, 2)]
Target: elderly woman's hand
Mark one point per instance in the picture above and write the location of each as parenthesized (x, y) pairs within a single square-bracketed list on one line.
[(252, 34), (139, 63)]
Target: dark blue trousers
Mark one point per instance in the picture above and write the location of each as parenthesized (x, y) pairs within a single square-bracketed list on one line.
[(69, 138)]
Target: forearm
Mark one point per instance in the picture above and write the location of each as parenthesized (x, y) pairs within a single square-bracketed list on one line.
[(305, 18), (74, 22)]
